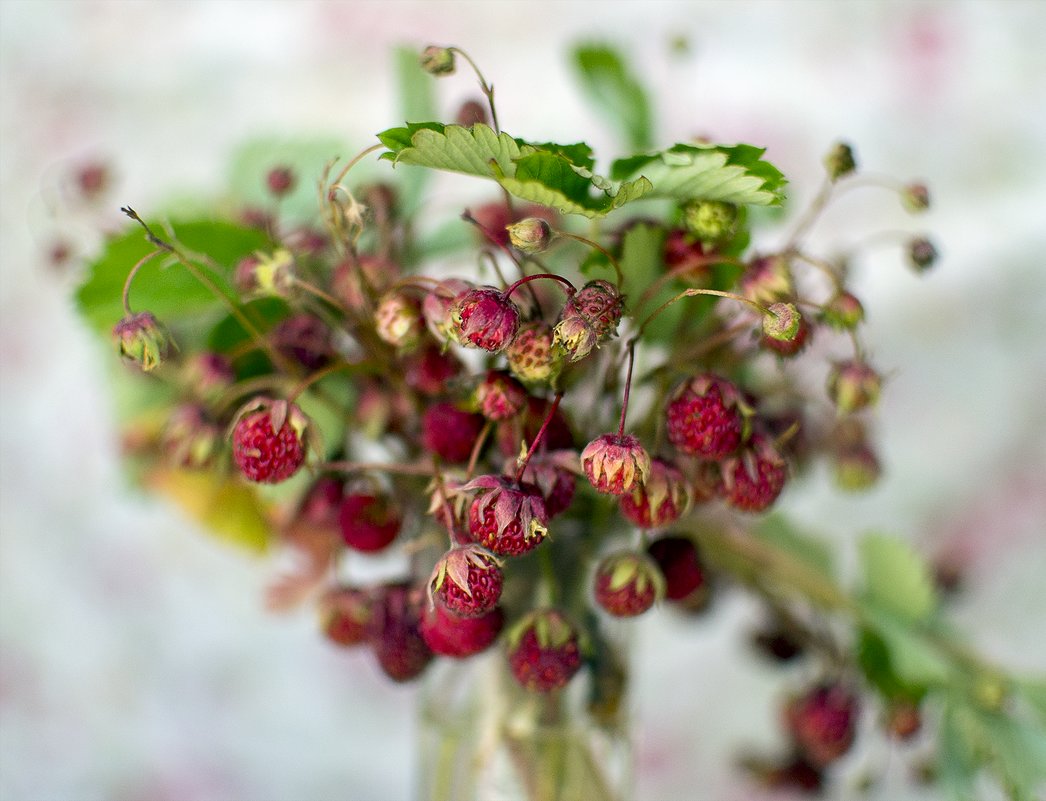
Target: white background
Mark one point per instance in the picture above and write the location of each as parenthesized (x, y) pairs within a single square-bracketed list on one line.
[(136, 661)]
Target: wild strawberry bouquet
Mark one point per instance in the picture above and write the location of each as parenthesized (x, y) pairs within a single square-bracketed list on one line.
[(506, 425)]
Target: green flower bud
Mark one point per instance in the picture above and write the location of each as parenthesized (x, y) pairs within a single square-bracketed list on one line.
[(142, 341), (437, 60), (840, 161), (531, 235), (782, 321)]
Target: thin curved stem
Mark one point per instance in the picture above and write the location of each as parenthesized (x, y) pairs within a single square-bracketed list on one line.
[(487, 89), (130, 277), (596, 246)]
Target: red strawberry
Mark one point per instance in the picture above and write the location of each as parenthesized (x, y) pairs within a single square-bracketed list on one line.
[(589, 317), (822, 721), (754, 478), (467, 580), (485, 318), (345, 614), (509, 518), (615, 464), (705, 417), (458, 637), (679, 562), (628, 584), (268, 440), (499, 396), (394, 632), (661, 500), (450, 432), (544, 651), (429, 370), (368, 522)]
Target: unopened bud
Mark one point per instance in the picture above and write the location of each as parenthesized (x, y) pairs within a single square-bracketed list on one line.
[(142, 341), (710, 220), (280, 181), (781, 322), (531, 235), (840, 161), (915, 197), (921, 254), (843, 312), (437, 60), (853, 386)]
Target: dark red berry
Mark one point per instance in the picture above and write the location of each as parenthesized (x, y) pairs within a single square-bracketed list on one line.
[(394, 632), (704, 417), (544, 651), (508, 518), (450, 432), (268, 440), (485, 318), (628, 583), (661, 500), (822, 722), (345, 615), (467, 580), (459, 637), (680, 565), (368, 522), (305, 340), (754, 477)]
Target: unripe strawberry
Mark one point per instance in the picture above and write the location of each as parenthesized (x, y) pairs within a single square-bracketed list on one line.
[(450, 432), (368, 523), (509, 518), (615, 464), (467, 580), (628, 584), (589, 317), (494, 218), (485, 318), (345, 615), (678, 560), (530, 235), (787, 347), (305, 340), (269, 440), (531, 357), (839, 161), (662, 499), (767, 280), (142, 341), (822, 721), (853, 385), (782, 322), (710, 221), (190, 439), (544, 651), (843, 312), (447, 634), (394, 632), (398, 320), (755, 476), (704, 417), (438, 306), (499, 396), (437, 61), (280, 181)]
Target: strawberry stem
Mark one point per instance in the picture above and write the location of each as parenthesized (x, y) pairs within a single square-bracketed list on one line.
[(570, 289), (537, 439), (601, 249), (486, 88), (130, 277)]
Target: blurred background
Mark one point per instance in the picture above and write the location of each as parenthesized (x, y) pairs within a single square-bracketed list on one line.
[(136, 659)]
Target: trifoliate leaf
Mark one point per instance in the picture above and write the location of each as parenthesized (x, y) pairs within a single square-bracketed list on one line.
[(896, 578), (733, 174), (616, 92)]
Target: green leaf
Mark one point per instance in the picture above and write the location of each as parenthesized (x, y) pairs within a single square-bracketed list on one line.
[(616, 92), (806, 548), (896, 578), (735, 174), (914, 658), (168, 292), (957, 759), (541, 174), (1034, 692), (873, 657)]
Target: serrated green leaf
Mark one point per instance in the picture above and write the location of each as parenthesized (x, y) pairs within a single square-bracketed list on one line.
[(169, 292), (806, 548), (733, 174), (547, 175), (616, 92), (896, 578)]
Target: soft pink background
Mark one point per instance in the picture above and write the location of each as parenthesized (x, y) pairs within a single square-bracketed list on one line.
[(135, 659)]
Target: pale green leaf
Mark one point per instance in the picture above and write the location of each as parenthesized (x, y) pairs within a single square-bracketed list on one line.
[(617, 93), (914, 657), (896, 578)]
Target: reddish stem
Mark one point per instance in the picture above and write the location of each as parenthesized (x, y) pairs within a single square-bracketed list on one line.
[(537, 439), (628, 387), (570, 290)]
